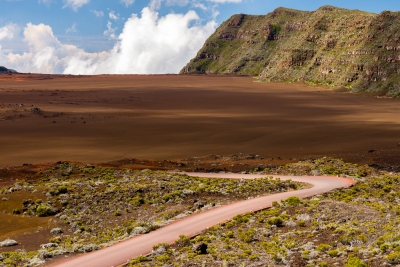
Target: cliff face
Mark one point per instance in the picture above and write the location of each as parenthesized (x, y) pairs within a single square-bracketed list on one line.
[(330, 46)]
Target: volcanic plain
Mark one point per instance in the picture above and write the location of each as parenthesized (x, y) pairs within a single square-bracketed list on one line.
[(163, 117)]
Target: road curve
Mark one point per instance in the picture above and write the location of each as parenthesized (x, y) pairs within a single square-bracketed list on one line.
[(124, 251)]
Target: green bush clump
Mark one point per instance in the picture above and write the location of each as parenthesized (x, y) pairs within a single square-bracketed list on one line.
[(323, 247), (241, 218), (44, 210), (183, 241), (333, 253), (353, 261), (394, 257), (292, 201), (277, 221), (247, 236), (138, 260)]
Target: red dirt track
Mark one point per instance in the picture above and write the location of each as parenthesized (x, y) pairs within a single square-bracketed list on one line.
[(122, 252), (104, 118)]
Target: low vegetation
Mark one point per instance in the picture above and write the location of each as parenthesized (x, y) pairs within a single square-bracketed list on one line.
[(330, 46), (347, 227), (95, 207)]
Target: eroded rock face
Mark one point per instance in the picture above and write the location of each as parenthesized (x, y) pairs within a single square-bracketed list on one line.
[(331, 46)]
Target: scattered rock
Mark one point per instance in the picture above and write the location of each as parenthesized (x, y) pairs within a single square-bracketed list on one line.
[(85, 248), (49, 245), (200, 248), (139, 231), (159, 251), (8, 243), (56, 231)]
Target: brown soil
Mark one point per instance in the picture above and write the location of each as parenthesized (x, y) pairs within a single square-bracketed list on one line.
[(175, 121), (111, 117)]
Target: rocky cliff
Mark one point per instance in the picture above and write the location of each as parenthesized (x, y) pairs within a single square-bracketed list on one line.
[(330, 46)]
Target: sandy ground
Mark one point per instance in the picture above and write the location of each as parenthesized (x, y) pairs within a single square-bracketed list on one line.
[(111, 117)]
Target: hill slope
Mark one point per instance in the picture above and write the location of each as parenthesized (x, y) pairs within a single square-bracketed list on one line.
[(331, 46), (5, 70)]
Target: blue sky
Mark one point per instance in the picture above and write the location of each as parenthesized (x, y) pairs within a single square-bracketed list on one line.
[(125, 36)]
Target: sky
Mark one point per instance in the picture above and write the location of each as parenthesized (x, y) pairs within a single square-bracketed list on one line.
[(126, 36)]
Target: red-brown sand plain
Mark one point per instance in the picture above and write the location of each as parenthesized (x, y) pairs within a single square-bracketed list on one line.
[(111, 117)]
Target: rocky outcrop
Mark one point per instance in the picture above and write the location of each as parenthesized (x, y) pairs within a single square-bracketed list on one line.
[(329, 46)]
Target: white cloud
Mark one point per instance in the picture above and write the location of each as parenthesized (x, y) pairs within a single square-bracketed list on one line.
[(147, 44), (127, 2), (177, 2), (110, 32), (225, 1), (199, 5), (8, 31), (112, 15), (75, 4), (45, 55), (150, 44), (155, 4), (71, 29), (98, 13)]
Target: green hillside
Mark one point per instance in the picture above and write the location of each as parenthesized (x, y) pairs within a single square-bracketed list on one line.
[(330, 46)]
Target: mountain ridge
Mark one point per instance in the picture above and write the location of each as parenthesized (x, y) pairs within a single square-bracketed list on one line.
[(6, 70), (329, 46)]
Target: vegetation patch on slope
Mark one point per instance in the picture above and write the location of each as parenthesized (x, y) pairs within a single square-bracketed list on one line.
[(330, 46)]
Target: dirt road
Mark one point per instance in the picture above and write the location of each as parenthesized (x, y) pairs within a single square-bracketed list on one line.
[(122, 252)]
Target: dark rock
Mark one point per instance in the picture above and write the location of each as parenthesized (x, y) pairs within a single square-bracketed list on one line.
[(200, 248)]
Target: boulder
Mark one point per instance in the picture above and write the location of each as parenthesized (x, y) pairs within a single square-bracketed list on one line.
[(56, 231), (8, 243), (200, 248)]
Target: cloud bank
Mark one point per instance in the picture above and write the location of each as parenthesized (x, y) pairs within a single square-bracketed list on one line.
[(148, 44)]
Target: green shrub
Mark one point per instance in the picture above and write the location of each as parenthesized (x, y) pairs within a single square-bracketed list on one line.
[(229, 234), (353, 261), (247, 236), (138, 260), (292, 201), (384, 247), (278, 221), (44, 210), (183, 241), (241, 219), (394, 257), (323, 247), (301, 223), (333, 253)]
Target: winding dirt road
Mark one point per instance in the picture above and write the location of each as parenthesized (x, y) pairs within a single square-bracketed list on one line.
[(122, 252)]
